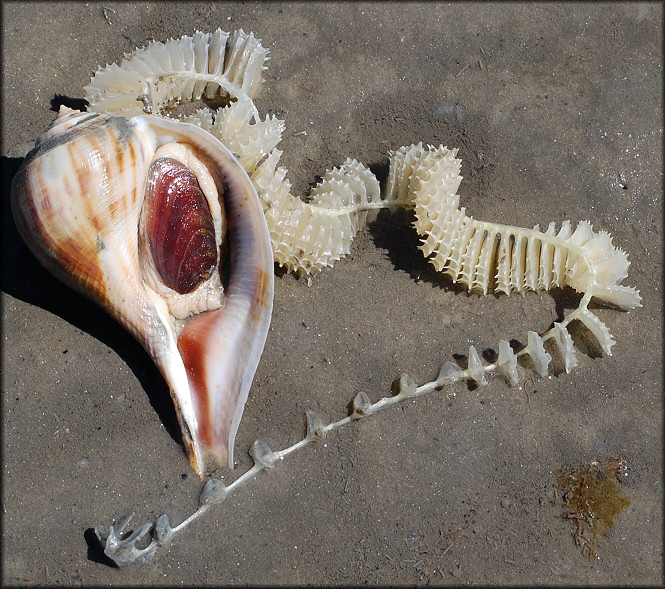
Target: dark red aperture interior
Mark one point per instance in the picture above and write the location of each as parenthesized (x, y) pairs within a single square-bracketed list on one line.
[(180, 230)]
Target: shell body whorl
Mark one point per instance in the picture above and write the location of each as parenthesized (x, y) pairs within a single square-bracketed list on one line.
[(68, 175)]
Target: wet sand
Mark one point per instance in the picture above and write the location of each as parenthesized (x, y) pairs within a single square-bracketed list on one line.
[(557, 114)]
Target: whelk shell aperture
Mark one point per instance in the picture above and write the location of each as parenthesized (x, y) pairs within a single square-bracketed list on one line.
[(157, 222)]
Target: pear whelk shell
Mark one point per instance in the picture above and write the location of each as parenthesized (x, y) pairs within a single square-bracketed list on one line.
[(157, 222)]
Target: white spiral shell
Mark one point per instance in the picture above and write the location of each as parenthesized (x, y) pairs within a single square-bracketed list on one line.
[(78, 202)]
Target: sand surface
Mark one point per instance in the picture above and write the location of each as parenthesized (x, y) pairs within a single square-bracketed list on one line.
[(557, 113)]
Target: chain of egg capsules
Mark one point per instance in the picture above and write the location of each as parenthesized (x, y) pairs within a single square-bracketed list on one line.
[(309, 236)]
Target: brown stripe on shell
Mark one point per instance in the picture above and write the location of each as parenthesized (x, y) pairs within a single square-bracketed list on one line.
[(79, 154), (69, 258)]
